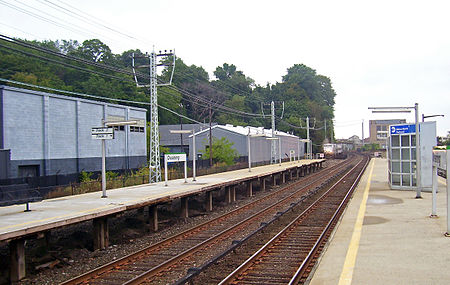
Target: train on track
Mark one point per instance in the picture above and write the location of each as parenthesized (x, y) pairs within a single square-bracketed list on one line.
[(336, 150)]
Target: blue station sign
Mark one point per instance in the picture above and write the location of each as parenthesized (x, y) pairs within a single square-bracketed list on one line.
[(402, 129)]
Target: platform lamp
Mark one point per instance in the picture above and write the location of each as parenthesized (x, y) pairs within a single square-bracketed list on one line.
[(408, 110), (110, 124), (279, 146), (193, 149), (249, 148), (430, 116)]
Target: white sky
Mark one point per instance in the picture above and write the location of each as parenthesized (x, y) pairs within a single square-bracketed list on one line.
[(376, 53)]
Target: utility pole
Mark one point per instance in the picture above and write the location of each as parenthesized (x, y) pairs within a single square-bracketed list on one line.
[(362, 133), (181, 128), (308, 144), (210, 138), (325, 122), (273, 153), (154, 159)]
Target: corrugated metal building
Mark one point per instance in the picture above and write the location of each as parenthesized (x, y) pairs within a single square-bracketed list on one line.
[(50, 134), (173, 141), (260, 146)]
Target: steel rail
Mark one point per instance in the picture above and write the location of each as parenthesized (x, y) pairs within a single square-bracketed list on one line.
[(248, 263), (141, 253), (307, 261)]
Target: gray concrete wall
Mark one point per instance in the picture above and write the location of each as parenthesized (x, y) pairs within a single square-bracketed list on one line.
[(54, 132)]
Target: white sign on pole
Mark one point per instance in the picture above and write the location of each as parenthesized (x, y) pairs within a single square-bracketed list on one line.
[(104, 133), (175, 157)]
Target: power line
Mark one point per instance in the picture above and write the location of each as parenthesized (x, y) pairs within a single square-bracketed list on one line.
[(42, 18), (97, 97), (64, 63)]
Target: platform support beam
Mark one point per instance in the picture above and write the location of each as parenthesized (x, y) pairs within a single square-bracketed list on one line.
[(228, 195), (17, 259), (233, 193), (274, 177), (209, 201), (249, 188), (184, 208), (101, 233), (153, 217), (283, 177), (263, 183)]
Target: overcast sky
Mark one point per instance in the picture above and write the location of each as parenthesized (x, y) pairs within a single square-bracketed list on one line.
[(376, 53)]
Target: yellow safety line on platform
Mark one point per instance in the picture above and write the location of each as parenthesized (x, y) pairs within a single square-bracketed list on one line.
[(350, 259)]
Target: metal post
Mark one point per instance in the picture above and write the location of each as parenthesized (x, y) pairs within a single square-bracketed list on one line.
[(194, 165), (279, 148), (273, 148), (165, 171), (418, 158), (434, 189), (154, 163), (307, 137), (185, 170), (103, 165), (103, 170), (298, 154), (249, 151), (447, 156), (362, 133)]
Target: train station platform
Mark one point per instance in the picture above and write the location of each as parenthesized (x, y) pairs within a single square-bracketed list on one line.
[(387, 237), (16, 225), (52, 213)]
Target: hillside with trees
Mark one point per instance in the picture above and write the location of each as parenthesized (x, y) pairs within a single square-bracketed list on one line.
[(231, 97)]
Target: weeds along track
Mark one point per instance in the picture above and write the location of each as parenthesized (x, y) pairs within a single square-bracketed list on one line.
[(169, 260)]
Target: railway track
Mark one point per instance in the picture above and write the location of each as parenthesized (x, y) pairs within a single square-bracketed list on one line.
[(169, 260), (290, 255)]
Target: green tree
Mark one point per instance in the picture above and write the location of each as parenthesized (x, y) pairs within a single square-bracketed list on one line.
[(223, 151)]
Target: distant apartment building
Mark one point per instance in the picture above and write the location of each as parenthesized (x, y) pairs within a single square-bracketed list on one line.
[(379, 131)]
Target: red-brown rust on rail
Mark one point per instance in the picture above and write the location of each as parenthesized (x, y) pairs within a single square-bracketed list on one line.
[(178, 247)]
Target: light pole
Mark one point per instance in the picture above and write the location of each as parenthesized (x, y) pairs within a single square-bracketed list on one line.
[(194, 158), (110, 124), (418, 159), (430, 116)]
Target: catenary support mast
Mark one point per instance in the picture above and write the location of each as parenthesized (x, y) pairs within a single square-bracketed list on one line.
[(154, 157)]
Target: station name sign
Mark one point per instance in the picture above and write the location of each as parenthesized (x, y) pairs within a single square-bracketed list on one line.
[(402, 129), (102, 133), (175, 157)]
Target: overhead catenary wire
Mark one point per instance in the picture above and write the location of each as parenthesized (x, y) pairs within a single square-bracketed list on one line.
[(104, 66), (45, 19), (97, 97)]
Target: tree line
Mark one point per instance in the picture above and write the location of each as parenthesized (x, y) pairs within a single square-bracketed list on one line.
[(230, 97)]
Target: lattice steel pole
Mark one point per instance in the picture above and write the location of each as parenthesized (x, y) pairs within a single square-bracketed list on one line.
[(154, 161)]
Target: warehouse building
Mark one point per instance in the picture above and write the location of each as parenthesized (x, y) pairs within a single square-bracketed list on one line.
[(260, 146), (178, 142), (44, 134)]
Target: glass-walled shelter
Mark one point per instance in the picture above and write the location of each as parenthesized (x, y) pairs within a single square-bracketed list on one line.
[(402, 159)]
